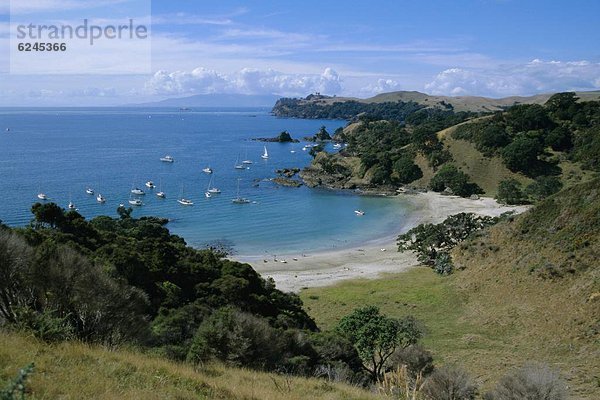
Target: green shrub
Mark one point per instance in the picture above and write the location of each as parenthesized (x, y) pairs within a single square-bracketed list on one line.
[(510, 192), (16, 388), (522, 154), (544, 186), (451, 177), (406, 170)]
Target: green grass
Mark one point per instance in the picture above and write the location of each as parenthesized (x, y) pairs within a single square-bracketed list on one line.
[(78, 371), (418, 292)]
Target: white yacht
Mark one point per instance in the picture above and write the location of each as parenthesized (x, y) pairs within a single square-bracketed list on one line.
[(207, 170), (150, 185), (137, 191), (135, 202), (89, 191), (183, 201), (42, 196), (359, 212), (213, 189), (72, 206), (239, 199), (100, 199), (168, 159), (162, 195), (265, 155)]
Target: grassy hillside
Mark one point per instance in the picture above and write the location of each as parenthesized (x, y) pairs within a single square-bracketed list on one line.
[(459, 103), (78, 371), (527, 289)]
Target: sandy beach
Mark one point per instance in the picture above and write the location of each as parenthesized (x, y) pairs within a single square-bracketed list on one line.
[(374, 257)]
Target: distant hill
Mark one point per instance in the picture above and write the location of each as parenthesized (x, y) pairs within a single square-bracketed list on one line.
[(286, 107), (216, 100)]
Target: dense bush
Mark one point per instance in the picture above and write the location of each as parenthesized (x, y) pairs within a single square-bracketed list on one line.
[(522, 154), (432, 241), (406, 170), (451, 177), (543, 186), (510, 192)]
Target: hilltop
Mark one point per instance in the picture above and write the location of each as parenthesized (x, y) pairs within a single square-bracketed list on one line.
[(528, 149), (319, 106)]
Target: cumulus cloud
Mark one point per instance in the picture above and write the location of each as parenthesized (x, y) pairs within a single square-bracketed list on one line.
[(381, 86), (245, 81), (536, 76)]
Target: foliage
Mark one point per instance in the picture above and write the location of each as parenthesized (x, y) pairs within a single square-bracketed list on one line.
[(431, 241), (113, 280), (298, 108), (510, 192), (449, 383), (522, 153), (237, 338), (406, 170), (16, 389), (376, 337), (532, 382), (543, 186), (451, 177), (316, 150), (587, 148), (559, 139)]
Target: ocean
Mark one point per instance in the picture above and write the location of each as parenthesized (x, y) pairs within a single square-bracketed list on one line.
[(63, 151)]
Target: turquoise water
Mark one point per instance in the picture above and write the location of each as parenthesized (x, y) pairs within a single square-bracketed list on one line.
[(61, 152)]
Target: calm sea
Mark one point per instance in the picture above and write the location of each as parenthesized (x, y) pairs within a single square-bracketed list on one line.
[(61, 152)]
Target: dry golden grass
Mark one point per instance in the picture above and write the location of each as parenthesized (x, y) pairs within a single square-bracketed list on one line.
[(527, 290), (78, 371)]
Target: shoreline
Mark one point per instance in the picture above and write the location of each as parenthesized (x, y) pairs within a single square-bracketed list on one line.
[(373, 257)]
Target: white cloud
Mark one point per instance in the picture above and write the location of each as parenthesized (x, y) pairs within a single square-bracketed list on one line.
[(246, 81), (382, 86), (536, 76)]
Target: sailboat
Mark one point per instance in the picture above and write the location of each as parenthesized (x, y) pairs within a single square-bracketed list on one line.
[(42, 196), (71, 205), (100, 199), (213, 189), (265, 155), (89, 191), (247, 161), (207, 170), (183, 201), (238, 199), (160, 193), (237, 164)]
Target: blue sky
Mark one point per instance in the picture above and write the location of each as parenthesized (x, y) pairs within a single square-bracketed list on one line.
[(480, 47)]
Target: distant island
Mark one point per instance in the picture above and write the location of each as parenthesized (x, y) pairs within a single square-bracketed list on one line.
[(214, 100)]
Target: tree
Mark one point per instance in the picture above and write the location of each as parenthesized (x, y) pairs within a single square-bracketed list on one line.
[(510, 192), (559, 139), (406, 170), (493, 136), (433, 241), (376, 337), (451, 177), (522, 154), (48, 214), (562, 105)]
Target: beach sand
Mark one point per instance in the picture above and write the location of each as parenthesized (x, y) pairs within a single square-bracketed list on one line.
[(374, 257)]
